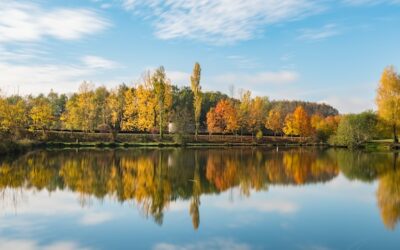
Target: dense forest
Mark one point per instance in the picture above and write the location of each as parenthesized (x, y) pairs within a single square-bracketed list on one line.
[(155, 105)]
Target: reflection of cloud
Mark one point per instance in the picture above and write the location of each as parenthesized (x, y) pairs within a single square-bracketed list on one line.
[(22, 244), (209, 244), (277, 206), (313, 247), (95, 218), (178, 206)]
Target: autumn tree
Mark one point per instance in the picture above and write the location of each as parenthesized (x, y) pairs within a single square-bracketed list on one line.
[(244, 110), (196, 88), (223, 118), (274, 121), (257, 114), (388, 99), (302, 121), (162, 91), (115, 103), (130, 110), (290, 127), (41, 115), (13, 116)]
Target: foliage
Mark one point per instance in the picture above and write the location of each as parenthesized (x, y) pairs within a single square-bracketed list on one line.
[(223, 118), (355, 129), (388, 99), (274, 121)]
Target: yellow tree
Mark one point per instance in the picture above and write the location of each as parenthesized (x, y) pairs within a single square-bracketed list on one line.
[(114, 109), (196, 88), (274, 121), (290, 127), (13, 117), (302, 122), (146, 108), (41, 115), (257, 114), (388, 99), (244, 110), (130, 111)]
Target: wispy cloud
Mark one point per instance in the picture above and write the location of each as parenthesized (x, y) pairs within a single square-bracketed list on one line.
[(260, 78), (25, 22), (370, 2), (277, 206), (218, 21), (97, 62), (321, 33)]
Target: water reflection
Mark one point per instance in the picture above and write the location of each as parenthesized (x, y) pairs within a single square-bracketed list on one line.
[(152, 179)]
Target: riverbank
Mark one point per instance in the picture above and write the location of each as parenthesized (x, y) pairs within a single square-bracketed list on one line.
[(15, 147)]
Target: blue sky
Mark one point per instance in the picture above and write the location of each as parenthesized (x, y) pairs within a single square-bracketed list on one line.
[(325, 51)]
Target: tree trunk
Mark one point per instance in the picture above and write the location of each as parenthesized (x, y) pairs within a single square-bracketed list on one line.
[(395, 139)]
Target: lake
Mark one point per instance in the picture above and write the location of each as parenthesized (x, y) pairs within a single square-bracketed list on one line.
[(166, 199)]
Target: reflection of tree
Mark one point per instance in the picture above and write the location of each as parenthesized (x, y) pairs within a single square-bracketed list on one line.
[(371, 166), (195, 202), (152, 179), (388, 195)]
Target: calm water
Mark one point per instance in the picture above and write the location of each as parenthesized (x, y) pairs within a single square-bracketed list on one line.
[(200, 199)]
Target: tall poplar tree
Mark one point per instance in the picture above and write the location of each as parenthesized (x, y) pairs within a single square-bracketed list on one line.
[(196, 88)]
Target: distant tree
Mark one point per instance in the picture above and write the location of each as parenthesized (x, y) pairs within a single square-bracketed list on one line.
[(355, 129), (244, 110), (213, 122), (162, 91), (388, 99), (13, 116), (257, 114), (196, 88), (274, 121), (290, 127), (41, 115), (115, 110), (223, 118), (302, 122)]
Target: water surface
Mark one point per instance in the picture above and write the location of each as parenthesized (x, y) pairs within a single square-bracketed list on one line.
[(200, 199)]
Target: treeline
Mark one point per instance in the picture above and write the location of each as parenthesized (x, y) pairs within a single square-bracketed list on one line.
[(155, 105)]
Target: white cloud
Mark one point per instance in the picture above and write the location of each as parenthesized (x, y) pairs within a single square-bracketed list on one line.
[(204, 245), (349, 104), (97, 62), (218, 21), (260, 78), (26, 22), (324, 32), (179, 78)]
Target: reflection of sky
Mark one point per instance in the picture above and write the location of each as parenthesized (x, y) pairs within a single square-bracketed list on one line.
[(335, 215)]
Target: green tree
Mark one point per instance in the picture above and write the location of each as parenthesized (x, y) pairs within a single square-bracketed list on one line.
[(162, 91), (355, 129)]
